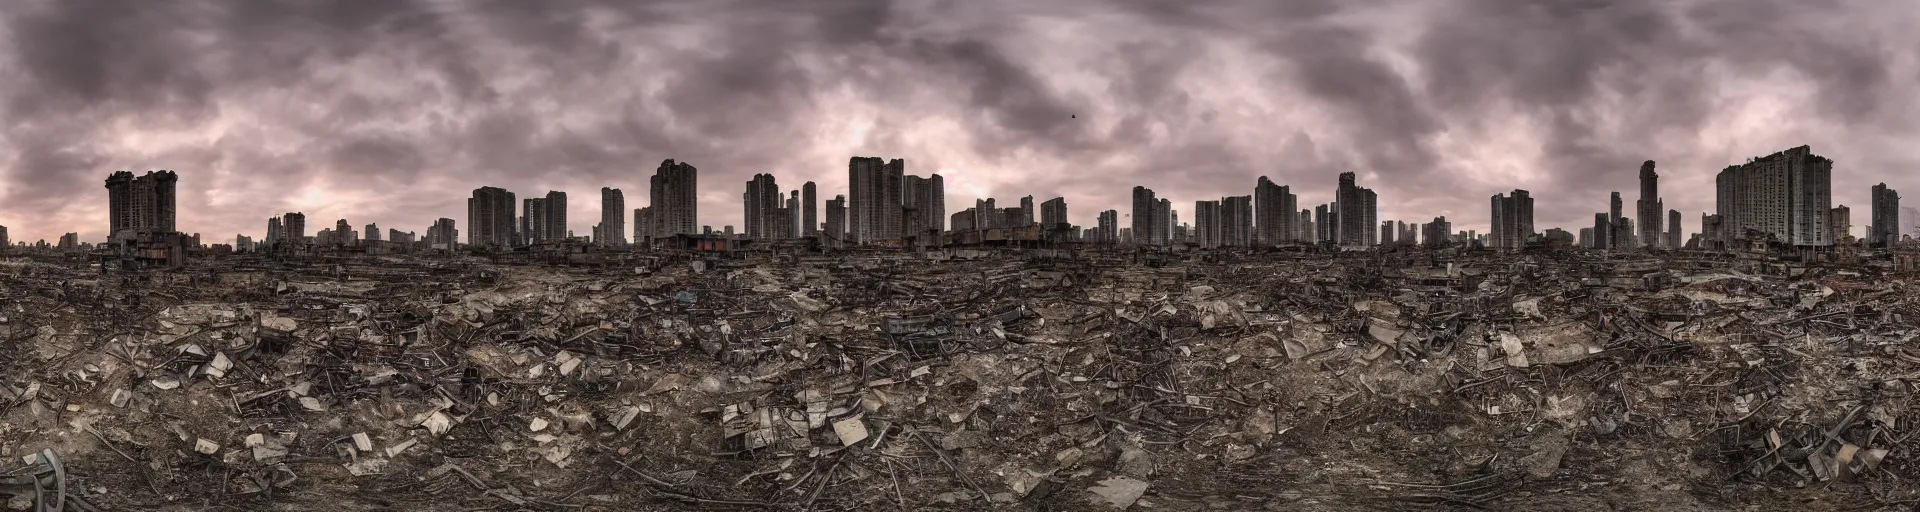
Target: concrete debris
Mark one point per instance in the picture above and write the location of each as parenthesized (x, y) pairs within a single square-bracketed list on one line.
[(980, 379), (1118, 493)]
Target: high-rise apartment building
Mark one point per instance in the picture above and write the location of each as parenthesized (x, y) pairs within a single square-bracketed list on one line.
[(1356, 219), (145, 203), (837, 219), (1602, 226), (293, 229), (1304, 228), (1163, 222), (372, 234), (1885, 230), (1144, 206), (810, 210), (923, 204), (613, 218), (674, 196), (343, 234), (1026, 212), (1053, 214), (1437, 234), (932, 198), (1206, 223), (1512, 220), (1650, 211), (1841, 218), (442, 233), (642, 225), (1623, 234), (1273, 216), (794, 218), (1613, 218), (1323, 226), (1236, 221), (1108, 225), (1673, 230), (490, 218), (874, 199), (1786, 196), (762, 199), (1910, 221), (556, 225), (273, 232)]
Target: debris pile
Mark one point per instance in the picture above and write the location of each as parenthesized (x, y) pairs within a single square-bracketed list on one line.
[(964, 380)]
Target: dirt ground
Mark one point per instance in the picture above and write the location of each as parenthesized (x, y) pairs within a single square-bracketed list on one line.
[(964, 380)]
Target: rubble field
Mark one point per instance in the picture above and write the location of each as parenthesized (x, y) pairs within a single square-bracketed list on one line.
[(962, 380)]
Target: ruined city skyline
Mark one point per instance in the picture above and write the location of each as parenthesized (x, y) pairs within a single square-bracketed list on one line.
[(1408, 95)]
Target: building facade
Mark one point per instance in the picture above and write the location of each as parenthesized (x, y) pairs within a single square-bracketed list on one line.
[(1650, 212), (1512, 220), (1885, 230), (1785, 197), (762, 201), (144, 203), (490, 218)]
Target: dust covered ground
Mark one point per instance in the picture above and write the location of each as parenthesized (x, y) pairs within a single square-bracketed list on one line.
[(963, 380)]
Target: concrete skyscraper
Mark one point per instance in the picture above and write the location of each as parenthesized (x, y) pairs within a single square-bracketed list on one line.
[(837, 219), (1649, 212), (1910, 221), (1236, 221), (146, 203), (761, 200), (1162, 222), (794, 218), (1885, 230), (1512, 220), (372, 234), (1786, 196), (442, 234), (1274, 214), (1355, 216), (490, 219), (923, 204), (1026, 211), (1206, 224), (674, 196), (1144, 206), (1841, 218), (1613, 218), (1107, 226), (874, 198), (1602, 226), (1437, 234), (293, 229), (1674, 242), (556, 225), (1053, 219), (810, 210), (613, 218), (273, 232)]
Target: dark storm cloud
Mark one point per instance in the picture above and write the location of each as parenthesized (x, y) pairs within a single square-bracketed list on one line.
[(391, 112)]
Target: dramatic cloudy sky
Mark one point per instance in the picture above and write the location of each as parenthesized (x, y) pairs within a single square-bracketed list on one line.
[(393, 111)]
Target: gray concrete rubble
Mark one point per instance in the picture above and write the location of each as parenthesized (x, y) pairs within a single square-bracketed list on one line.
[(983, 380)]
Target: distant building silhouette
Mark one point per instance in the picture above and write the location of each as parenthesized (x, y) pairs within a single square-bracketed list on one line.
[(145, 203), (490, 218)]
